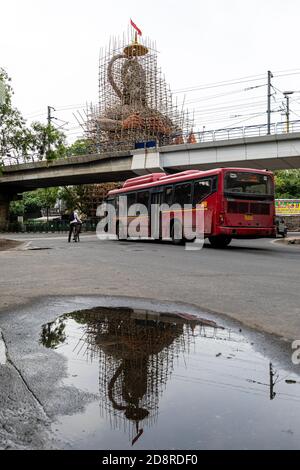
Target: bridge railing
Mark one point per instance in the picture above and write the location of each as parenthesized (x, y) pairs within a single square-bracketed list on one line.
[(246, 131), (10, 160), (195, 137)]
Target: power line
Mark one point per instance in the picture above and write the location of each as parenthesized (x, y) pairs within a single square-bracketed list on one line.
[(31, 116), (211, 97), (216, 85), (248, 78), (66, 107), (208, 111), (287, 70), (240, 100), (287, 74), (244, 120), (71, 107), (293, 112)]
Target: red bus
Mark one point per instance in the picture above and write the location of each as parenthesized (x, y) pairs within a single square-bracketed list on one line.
[(237, 202)]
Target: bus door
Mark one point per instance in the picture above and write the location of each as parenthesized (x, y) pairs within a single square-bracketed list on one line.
[(143, 199), (157, 198), (202, 189)]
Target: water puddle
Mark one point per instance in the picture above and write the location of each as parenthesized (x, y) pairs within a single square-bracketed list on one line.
[(167, 381)]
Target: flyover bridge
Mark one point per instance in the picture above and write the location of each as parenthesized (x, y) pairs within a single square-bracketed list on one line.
[(272, 152)]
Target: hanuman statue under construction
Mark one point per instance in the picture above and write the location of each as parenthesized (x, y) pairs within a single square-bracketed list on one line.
[(135, 105)]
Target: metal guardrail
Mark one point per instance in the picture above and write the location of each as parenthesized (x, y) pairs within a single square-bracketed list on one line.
[(53, 226), (259, 130)]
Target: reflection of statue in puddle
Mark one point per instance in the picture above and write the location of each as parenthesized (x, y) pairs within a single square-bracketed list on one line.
[(136, 350), (138, 354)]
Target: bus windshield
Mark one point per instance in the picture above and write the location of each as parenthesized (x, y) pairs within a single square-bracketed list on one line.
[(245, 183)]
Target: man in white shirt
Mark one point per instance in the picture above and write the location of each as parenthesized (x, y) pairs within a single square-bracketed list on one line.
[(74, 221)]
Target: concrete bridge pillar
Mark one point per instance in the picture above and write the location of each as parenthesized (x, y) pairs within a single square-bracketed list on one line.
[(4, 211)]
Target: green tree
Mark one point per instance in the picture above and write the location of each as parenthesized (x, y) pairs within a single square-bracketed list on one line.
[(47, 142), (48, 198), (85, 197), (21, 142), (15, 140), (287, 184), (79, 147), (78, 196), (16, 208), (34, 201)]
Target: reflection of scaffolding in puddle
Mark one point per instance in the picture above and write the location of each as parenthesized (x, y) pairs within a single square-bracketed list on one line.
[(136, 351), (219, 334)]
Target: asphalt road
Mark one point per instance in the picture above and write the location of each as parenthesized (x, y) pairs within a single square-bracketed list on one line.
[(253, 281)]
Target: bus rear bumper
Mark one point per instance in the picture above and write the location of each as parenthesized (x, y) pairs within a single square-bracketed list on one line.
[(247, 232)]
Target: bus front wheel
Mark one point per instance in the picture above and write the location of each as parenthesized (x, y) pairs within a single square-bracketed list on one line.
[(220, 241)]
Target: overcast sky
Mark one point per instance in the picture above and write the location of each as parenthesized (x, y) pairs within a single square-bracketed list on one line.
[(50, 48)]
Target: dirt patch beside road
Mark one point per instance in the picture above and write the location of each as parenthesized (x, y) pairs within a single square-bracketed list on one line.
[(8, 244), (290, 241)]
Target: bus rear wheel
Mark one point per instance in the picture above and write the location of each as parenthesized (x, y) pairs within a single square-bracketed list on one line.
[(220, 241)]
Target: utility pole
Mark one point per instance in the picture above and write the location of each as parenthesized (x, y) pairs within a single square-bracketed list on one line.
[(49, 119), (270, 76), (287, 113), (287, 109)]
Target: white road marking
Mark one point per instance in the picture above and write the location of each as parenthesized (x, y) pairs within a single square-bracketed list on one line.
[(2, 351)]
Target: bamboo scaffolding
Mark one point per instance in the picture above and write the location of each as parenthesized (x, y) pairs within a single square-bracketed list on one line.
[(135, 105)]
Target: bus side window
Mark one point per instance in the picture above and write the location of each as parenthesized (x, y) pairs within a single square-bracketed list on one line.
[(169, 195), (182, 193), (214, 184), (131, 199), (143, 198), (202, 189)]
